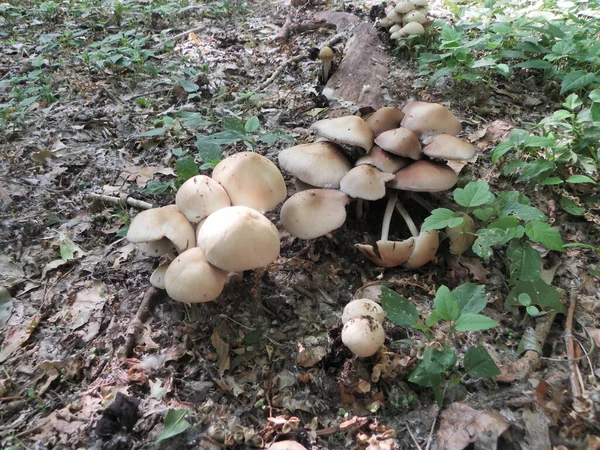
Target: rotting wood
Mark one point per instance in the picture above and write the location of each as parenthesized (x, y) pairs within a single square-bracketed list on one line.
[(289, 28)]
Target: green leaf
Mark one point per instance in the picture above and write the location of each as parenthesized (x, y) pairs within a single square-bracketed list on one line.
[(271, 137), (479, 364), (192, 120), (220, 138), (576, 80), (535, 64), (524, 299), (68, 249), (525, 262), (532, 311), (535, 169), (434, 362), (523, 212), (186, 167), (233, 124), (474, 322), (446, 306), (252, 125), (432, 319), (475, 193), (175, 424), (551, 181), (501, 149), (158, 187), (483, 214), (539, 141), (470, 297), (518, 136), (153, 132), (188, 86), (572, 102), (595, 96), (571, 207), (543, 233), (441, 218), (529, 342), (578, 179), (541, 294), (397, 308), (486, 239), (6, 306)]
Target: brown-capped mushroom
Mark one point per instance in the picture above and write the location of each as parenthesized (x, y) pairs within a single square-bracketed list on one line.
[(199, 197), (461, 236), (388, 253), (349, 130), (326, 56), (424, 176), (448, 147), (430, 118), (426, 246), (286, 445), (386, 118), (384, 161), (366, 182), (400, 141), (158, 223)]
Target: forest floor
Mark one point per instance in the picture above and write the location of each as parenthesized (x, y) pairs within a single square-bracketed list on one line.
[(106, 105)]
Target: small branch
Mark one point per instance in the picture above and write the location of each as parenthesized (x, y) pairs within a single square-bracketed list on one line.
[(409, 222), (574, 376), (284, 32), (177, 36), (134, 203), (387, 216), (289, 29)]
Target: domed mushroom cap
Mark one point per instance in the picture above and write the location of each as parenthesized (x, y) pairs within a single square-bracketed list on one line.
[(426, 246), (191, 279), (424, 176), (423, 117), (394, 16), (404, 6), (414, 16), (157, 279), (251, 180), (238, 238), (320, 164), (286, 445), (199, 197), (421, 3), (360, 307), (384, 161), (388, 253), (349, 130), (400, 141), (462, 236), (158, 223), (410, 29), (364, 336), (446, 146), (386, 118), (326, 53), (365, 182), (314, 213)]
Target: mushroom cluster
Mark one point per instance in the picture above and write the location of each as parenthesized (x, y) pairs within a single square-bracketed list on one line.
[(404, 150), (216, 226), (405, 18), (363, 331)]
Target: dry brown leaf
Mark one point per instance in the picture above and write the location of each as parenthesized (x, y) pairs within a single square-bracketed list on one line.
[(476, 269), (222, 349), (142, 174), (308, 357), (87, 310), (17, 336)]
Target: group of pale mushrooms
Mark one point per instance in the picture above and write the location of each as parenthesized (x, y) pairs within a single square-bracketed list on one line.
[(405, 18), (404, 150)]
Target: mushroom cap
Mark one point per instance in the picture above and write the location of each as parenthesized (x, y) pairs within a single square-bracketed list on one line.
[(419, 2), (414, 16), (426, 246), (156, 248), (388, 253), (349, 130), (424, 117), (384, 161), (370, 292), (286, 445), (385, 22), (326, 54), (360, 307), (424, 176), (386, 118), (199, 197), (404, 6), (462, 236), (314, 213), (365, 181), (446, 146), (238, 238), (364, 336), (394, 16), (320, 164), (400, 141), (158, 223), (190, 278), (392, 30), (251, 180), (410, 29), (157, 279)]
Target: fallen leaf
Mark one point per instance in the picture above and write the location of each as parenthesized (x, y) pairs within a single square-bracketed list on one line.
[(142, 174), (17, 336), (88, 307), (222, 349), (308, 357), (6, 306), (11, 273), (476, 269)]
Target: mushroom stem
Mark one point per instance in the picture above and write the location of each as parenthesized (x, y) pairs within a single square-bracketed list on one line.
[(420, 200), (387, 216), (359, 208), (326, 70), (409, 222)]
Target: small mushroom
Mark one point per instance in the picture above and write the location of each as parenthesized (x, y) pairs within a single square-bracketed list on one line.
[(394, 16), (326, 56), (404, 6), (392, 30), (238, 238), (433, 118), (400, 141), (158, 223), (410, 29), (320, 164), (366, 182), (448, 147), (385, 23), (314, 213), (461, 236), (426, 246), (384, 161), (424, 176), (414, 16), (364, 336), (386, 118), (157, 279), (388, 253), (199, 197), (251, 180), (363, 307), (349, 130)]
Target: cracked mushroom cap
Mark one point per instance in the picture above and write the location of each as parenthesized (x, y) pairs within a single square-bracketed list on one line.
[(320, 164), (386, 118), (314, 213), (384, 161), (400, 141), (238, 238), (251, 180), (426, 246), (360, 307), (349, 130), (446, 146), (364, 336), (424, 176), (366, 182), (432, 118), (199, 197), (190, 278), (158, 223), (388, 253)]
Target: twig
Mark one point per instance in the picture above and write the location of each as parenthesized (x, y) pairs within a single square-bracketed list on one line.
[(430, 438), (284, 32), (151, 297), (574, 368), (134, 203), (413, 437), (177, 36)]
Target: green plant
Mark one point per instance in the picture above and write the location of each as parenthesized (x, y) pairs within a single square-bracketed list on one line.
[(460, 308), (185, 167)]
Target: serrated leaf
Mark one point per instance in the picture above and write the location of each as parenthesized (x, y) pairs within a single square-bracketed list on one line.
[(525, 262), (432, 319), (579, 179), (486, 239), (220, 138), (434, 362), (470, 297), (175, 424), (576, 80), (529, 342), (483, 214), (543, 233), (475, 193), (572, 101), (446, 306), (186, 167), (474, 322), (541, 294), (252, 125), (188, 86), (398, 309), (441, 218), (479, 364)]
